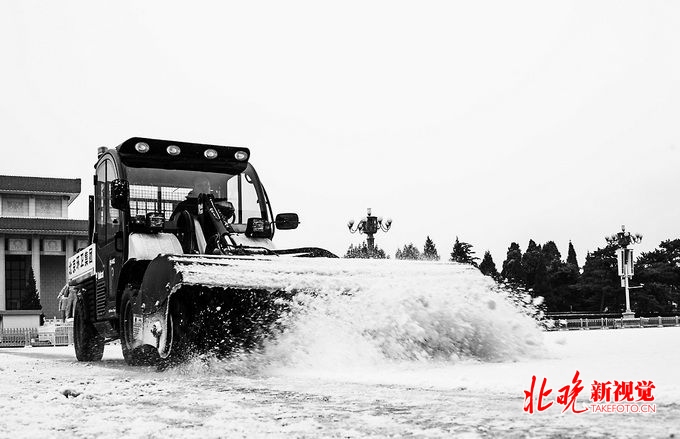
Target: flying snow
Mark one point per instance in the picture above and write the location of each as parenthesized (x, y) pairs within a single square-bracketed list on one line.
[(350, 313)]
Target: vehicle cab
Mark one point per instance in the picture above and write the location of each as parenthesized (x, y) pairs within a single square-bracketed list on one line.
[(163, 197)]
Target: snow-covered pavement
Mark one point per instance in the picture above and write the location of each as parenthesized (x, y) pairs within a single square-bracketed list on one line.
[(368, 349), (210, 399)]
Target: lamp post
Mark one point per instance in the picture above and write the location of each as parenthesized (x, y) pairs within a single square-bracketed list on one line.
[(370, 226), (625, 263)]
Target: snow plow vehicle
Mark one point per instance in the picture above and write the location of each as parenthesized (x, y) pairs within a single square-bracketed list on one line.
[(168, 223)]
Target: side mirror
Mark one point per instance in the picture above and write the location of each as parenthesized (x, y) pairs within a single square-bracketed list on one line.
[(287, 221), (120, 194)]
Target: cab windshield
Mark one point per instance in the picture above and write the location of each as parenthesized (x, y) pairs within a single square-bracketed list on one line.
[(162, 190)]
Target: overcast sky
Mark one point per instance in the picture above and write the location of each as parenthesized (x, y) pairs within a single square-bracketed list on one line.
[(491, 121)]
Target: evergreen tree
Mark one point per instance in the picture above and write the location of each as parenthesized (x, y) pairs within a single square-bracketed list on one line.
[(599, 286), (361, 252), (571, 255), (462, 252), (430, 251), (560, 293), (659, 271), (531, 260), (30, 299), (410, 252), (551, 255), (512, 266), (487, 266), (559, 279), (379, 253), (541, 286), (356, 252)]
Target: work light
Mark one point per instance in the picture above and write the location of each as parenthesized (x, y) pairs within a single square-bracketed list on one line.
[(173, 150)]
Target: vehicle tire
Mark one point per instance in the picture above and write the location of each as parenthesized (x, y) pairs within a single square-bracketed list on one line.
[(89, 345), (179, 343), (144, 355)]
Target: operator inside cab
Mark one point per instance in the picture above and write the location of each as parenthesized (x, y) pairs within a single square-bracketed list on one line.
[(202, 186)]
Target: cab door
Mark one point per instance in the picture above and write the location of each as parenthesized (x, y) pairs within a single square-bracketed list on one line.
[(109, 242)]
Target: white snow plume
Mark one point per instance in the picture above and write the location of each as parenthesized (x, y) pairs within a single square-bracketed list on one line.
[(359, 313)]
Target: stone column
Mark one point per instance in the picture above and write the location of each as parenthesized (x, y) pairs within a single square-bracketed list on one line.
[(2, 273), (35, 261), (68, 251), (31, 206)]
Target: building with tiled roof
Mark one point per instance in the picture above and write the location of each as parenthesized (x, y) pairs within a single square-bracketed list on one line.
[(15, 184), (35, 232)]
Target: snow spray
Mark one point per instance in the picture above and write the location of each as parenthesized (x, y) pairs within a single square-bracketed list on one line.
[(366, 313)]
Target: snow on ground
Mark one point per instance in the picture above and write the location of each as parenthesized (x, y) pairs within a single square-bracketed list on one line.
[(369, 350), (210, 399)]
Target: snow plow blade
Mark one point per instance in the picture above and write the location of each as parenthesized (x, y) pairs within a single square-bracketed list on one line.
[(194, 304)]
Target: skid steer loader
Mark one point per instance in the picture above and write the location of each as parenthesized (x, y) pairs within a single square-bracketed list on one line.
[(173, 227)]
